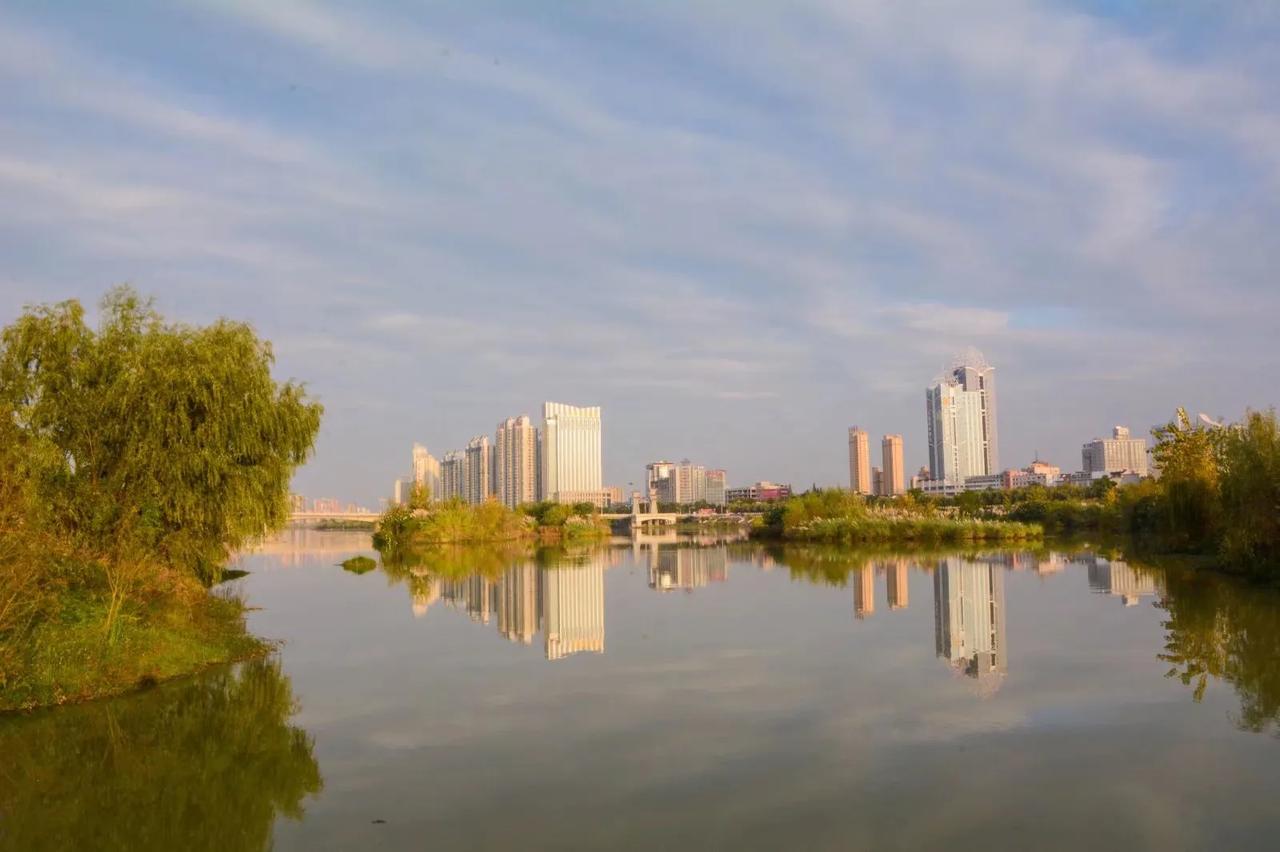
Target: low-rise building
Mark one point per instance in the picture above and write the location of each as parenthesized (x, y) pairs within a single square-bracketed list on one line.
[(1121, 451), (762, 492)]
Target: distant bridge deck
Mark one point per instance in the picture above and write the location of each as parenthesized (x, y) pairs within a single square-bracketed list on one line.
[(643, 518), (315, 517)]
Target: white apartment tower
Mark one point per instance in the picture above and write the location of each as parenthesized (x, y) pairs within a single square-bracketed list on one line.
[(571, 453), (961, 412), (426, 471), (516, 468)]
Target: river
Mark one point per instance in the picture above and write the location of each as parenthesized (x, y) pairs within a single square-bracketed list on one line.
[(679, 693)]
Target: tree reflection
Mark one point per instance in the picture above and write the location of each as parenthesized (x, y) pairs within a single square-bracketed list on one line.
[(1224, 630), (207, 763)]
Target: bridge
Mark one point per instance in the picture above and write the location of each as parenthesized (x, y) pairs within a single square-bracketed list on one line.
[(316, 517), (640, 517), (637, 520)]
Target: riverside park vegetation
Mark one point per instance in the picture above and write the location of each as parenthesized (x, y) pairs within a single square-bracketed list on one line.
[(1217, 498), (135, 457)]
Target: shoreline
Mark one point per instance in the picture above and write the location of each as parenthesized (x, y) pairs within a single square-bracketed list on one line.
[(68, 662), (245, 647)]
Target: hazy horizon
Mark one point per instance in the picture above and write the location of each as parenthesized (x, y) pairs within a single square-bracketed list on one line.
[(737, 229)]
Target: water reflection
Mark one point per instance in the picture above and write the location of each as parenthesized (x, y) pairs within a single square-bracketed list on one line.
[(208, 763), (969, 619), (1119, 578), (687, 568), (1216, 630), (559, 596), (1219, 630)]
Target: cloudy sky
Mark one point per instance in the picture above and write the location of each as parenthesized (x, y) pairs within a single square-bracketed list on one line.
[(738, 228)]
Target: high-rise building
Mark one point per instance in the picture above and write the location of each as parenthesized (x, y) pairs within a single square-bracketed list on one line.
[(969, 619), (426, 471), (660, 480), (895, 483), (716, 490), (961, 412), (515, 451), (453, 477), (859, 461), (975, 375), (682, 483), (877, 482), (691, 482), (571, 453), (478, 470), (1119, 452)]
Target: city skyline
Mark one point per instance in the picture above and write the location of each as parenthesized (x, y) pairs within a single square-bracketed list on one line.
[(602, 204)]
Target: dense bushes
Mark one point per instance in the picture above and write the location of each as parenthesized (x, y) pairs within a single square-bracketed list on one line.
[(838, 516)]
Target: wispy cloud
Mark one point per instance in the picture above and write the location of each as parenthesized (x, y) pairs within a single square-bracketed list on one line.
[(698, 216)]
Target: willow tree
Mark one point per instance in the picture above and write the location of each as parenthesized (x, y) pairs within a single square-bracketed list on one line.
[(150, 448), (1250, 462), (1187, 457)]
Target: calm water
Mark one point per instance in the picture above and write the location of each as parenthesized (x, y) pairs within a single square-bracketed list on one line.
[(677, 696)]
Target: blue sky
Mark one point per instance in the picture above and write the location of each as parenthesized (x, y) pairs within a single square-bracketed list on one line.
[(738, 227)]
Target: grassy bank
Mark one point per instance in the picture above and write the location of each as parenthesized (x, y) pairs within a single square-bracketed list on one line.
[(65, 657)]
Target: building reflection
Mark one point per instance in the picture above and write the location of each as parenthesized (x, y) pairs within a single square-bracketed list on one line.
[(563, 602), (519, 604), (573, 610), (896, 586), (969, 619), (864, 592), (1119, 578), (687, 568)]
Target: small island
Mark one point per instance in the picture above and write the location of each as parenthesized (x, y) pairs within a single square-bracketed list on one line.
[(423, 522)]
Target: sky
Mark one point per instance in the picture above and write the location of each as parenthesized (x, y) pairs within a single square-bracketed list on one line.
[(738, 227)]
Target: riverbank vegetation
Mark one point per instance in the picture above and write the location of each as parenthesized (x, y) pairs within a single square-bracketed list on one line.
[(423, 522), (135, 457), (344, 526), (1217, 497), (840, 517)]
